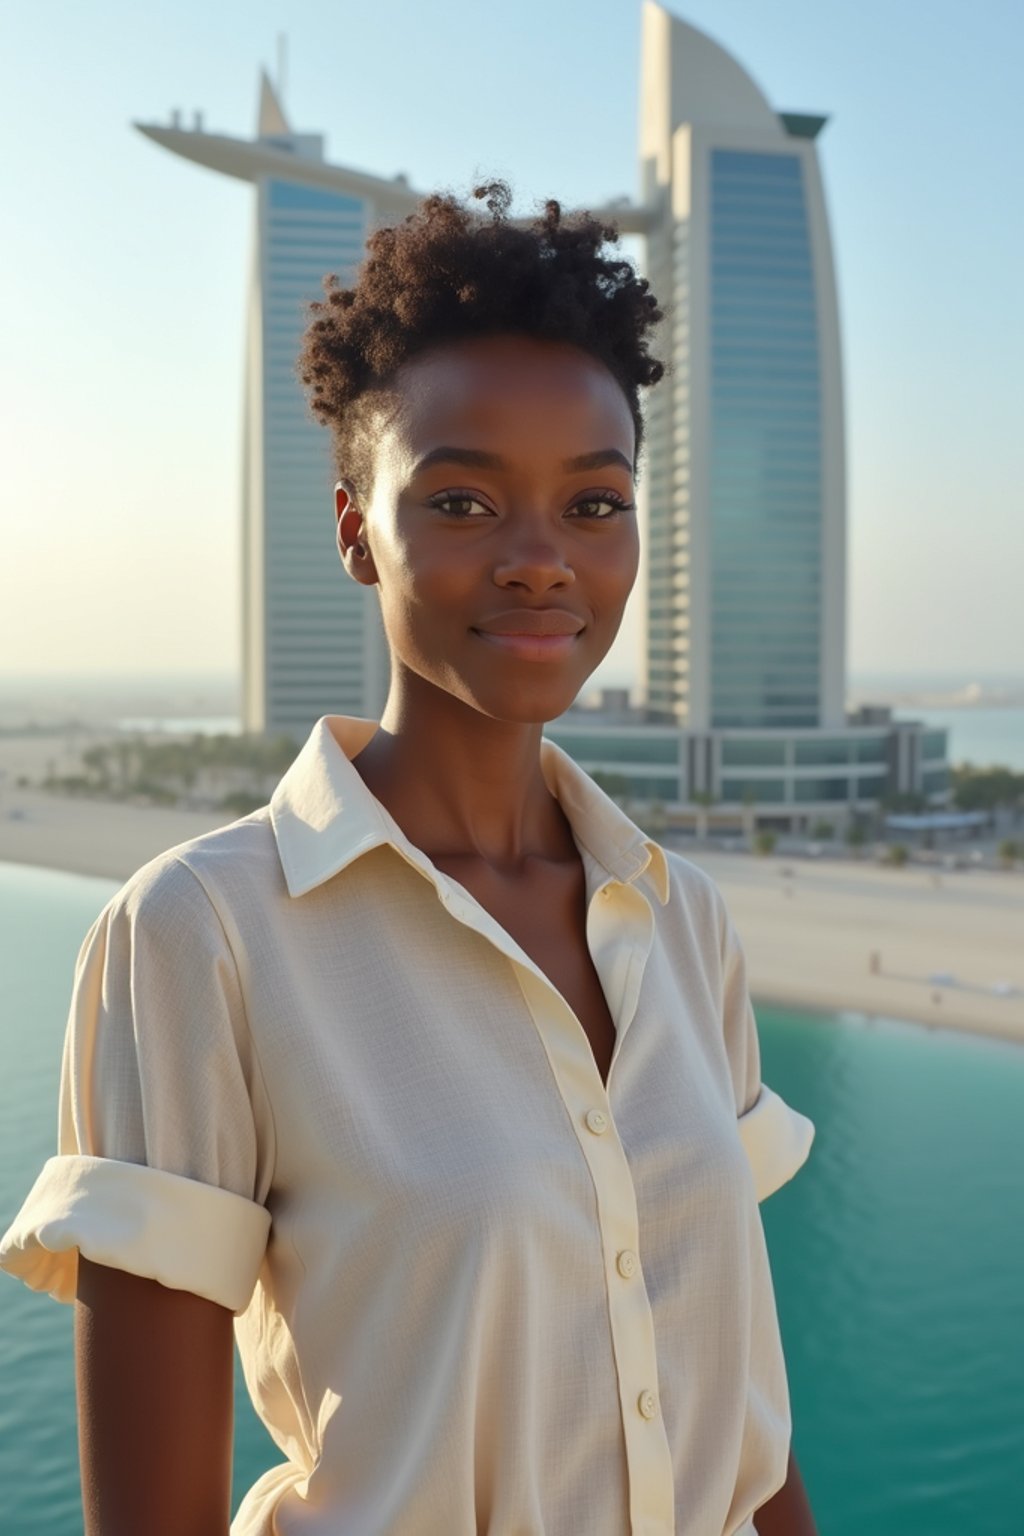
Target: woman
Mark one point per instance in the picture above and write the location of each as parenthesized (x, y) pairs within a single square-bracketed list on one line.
[(436, 1076)]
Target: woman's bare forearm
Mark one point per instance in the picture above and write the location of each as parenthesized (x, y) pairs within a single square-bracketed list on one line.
[(788, 1512), (155, 1402)]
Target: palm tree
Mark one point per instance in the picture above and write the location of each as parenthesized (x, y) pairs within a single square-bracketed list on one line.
[(123, 751), (97, 760), (615, 785), (655, 820)]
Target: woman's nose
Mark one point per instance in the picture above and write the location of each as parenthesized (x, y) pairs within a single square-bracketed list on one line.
[(535, 561)]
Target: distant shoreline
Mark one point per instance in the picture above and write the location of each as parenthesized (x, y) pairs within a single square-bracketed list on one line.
[(961, 699)]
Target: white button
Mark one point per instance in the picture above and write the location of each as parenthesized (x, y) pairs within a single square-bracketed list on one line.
[(626, 1263), (647, 1404), (597, 1121)]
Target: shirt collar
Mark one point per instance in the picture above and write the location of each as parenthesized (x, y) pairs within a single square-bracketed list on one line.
[(323, 815)]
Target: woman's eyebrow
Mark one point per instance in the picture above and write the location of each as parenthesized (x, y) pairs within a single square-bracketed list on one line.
[(478, 458), (598, 460)]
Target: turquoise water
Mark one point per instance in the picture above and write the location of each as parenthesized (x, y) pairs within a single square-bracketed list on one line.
[(897, 1254)]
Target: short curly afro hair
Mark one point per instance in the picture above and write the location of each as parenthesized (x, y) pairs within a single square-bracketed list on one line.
[(447, 272)]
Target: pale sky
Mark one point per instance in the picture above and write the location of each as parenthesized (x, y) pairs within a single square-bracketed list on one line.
[(123, 274)]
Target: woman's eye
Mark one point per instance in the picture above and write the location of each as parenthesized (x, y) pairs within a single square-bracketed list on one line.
[(459, 505), (592, 507)]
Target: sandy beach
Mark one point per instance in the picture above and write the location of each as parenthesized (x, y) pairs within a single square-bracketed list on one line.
[(808, 935), (811, 948)]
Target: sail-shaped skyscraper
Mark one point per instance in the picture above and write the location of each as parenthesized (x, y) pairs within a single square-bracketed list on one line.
[(746, 609), (311, 638)]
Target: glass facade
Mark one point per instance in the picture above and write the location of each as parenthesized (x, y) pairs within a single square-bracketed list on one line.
[(858, 772), (752, 754), (869, 749), (666, 790), (807, 790), (768, 791), (822, 751), (646, 747), (766, 475), (667, 413), (314, 616)]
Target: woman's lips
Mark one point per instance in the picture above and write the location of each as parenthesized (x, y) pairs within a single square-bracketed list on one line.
[(531, 647)]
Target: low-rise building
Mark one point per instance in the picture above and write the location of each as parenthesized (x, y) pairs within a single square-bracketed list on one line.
[(788, 780)]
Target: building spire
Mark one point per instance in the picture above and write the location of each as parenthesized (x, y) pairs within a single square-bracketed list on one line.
[(271, 120)]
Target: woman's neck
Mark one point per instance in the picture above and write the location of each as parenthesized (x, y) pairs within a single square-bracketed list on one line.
[(460, 784)]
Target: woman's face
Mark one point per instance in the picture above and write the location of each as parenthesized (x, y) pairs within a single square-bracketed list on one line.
[(501, 529)]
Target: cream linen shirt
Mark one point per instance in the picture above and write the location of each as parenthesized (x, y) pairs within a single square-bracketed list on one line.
[(308, 1076)]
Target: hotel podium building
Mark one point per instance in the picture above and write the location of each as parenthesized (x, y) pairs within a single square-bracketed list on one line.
[(742, 495)]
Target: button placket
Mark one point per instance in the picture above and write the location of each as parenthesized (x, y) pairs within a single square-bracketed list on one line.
[(648, 1457), (630, 1319)]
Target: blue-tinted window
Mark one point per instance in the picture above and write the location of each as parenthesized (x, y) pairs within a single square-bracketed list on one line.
[(812, 753), (806, 790), (869, 749), (737, 753), (295, 195), (309, 231), (765, 444), (774, 790), (642, 748)]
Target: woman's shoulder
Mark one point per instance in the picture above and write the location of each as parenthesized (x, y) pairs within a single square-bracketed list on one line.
[(694, 890), (230, 866)]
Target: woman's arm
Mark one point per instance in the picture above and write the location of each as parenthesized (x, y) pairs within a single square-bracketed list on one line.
[(788, 1512), (155, 1401)]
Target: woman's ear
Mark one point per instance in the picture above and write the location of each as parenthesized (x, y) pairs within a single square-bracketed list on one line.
[(353, 546)]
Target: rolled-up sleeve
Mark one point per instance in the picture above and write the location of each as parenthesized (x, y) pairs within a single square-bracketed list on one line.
[(165, 1145), (776, 1138)]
